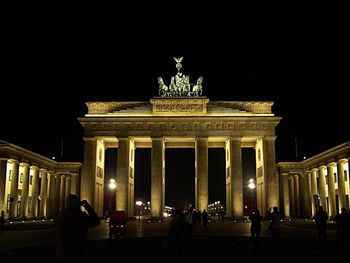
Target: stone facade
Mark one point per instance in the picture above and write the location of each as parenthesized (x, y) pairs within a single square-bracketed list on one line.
[(322, 180), (170, 122), (33, 186)]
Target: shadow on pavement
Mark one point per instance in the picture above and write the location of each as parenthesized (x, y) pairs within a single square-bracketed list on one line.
[(211, 249)]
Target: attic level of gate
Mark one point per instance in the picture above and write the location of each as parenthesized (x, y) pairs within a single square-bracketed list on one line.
[(180, 106)]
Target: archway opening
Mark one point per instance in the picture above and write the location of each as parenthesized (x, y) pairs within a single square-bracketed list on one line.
[(249, 172), (179, 177), (216, 181)]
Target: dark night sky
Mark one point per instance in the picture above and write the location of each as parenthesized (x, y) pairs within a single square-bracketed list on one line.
[(55, 57)]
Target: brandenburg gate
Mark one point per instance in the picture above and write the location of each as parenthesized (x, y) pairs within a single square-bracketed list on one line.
[(180, 117)]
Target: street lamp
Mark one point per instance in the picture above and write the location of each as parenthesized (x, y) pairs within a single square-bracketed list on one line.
[(251, 186), (112, 185), (139, 204)]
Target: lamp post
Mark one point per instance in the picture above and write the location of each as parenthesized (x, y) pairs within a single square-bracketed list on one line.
[(251, 186), (112, 185), (139, 204)]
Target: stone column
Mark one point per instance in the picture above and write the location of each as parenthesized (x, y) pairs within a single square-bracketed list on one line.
[(25, 190), (236, 177), (3, 170), (322, 181), (270, 175), (285, 190), (157, 177), (201, 181), (313, 183), (62, 192), (35, 191), (14, 189), (57, 192), (341, 183), (123, 174), (297, 195), (51, 197), (43, 193), (292, 196), (307, 199), (67, 190), (74, 189), (88, 174), (331, 189)]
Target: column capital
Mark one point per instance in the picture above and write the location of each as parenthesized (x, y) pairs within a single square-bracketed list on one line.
[(269, 138), (342, 161), (90, 138), (322, 167), (332, 164), (14, 161), (24, 164), (156, 138), (236, 139)]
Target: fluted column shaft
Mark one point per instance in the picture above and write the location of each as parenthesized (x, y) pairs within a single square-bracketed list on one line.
[(67, 190), (202, 174), (157, 177), (3, 171), (62, 192), (314, 192), (236, 177), (322, 181), (35, 191), (292, 196), (271, 177), (43, 193), (123, 174), (286, 200), (341, 184), (297, 195), (14, 189), (331, 189), (25, 190), (307, 198)]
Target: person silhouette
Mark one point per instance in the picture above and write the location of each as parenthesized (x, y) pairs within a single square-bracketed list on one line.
[(321, 218), (71, 225), (2, 220), (255, 227), (275, 224)]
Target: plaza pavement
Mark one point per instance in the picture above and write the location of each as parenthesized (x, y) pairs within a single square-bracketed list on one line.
[(146, 242)]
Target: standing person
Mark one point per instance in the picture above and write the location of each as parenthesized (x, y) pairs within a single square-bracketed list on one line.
[(321, 218), (255, 227), (189, 222), (222, 212), (342, 220), (275, 223), (71, 226), (205, 217), (199, 217), (175, 235), (2, 220)]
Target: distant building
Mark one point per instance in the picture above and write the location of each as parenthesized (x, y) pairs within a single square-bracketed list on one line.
[(33, 186), (322, 180)]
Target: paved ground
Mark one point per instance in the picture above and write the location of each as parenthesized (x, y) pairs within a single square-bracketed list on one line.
[(147, 242)]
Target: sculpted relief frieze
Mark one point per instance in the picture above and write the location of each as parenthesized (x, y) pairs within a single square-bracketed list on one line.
[(181, 126), (179, 108)]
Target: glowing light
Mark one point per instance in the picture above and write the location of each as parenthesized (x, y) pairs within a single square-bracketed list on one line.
[(112, 184)]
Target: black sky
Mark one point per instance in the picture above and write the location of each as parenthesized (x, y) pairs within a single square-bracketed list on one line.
[(55, 57)]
